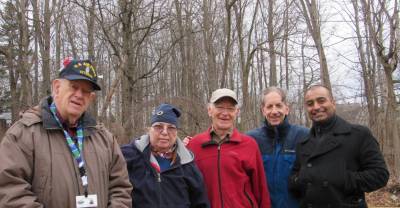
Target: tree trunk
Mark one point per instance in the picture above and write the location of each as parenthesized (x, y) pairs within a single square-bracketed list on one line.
[(388, 57), (90, 35), (212, 73), (366, 72), (42, 31), (311, 14), (227, 53), (271, 42), (23, 50)]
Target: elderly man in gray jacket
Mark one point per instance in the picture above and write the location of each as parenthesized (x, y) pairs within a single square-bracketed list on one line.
[(57, 156)]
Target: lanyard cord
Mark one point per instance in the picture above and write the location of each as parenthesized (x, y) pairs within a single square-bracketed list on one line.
[(76, 151)]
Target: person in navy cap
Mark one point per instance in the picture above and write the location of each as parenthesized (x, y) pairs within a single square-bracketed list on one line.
[(161, 169), (56, 155)]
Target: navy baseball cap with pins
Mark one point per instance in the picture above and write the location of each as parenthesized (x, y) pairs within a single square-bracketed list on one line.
[(166, 113), (79, 70)]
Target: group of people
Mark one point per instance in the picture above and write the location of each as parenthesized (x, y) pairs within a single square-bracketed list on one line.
[(56, 155)]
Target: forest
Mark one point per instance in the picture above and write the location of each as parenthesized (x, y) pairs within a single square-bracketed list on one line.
[(147, 52)]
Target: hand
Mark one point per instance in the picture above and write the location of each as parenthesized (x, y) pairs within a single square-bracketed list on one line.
[(186, 140)]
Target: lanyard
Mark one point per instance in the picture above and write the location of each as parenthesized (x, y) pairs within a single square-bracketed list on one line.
[(76, 151)]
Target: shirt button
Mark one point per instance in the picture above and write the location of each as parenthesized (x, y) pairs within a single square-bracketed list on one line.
[(309, 165), (309, 184), (325, 184)]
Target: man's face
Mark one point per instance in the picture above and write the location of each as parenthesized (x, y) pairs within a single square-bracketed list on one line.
[(274, 109), (319, 104), (163, 136), (223, 114), (72, 98)]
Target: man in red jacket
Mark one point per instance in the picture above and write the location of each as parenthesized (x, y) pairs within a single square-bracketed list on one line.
[(230, 161)]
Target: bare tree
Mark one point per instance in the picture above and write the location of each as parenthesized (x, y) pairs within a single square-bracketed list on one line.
[(271, 42), (42, 34), (387, 52), (23, 55), (368, 71), (312, 17), (208, 37), (228, 8)]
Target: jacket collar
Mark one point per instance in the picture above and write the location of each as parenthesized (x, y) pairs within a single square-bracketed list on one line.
[(234, 137), (49, 122), (184, 154), (279, 131), (335, 124), (340, 126)]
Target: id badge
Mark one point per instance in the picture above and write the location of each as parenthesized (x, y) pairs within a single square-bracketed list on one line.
[(89, 201)]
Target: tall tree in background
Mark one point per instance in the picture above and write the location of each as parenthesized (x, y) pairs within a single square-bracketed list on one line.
[(387, 52), (368, 67), (90, 17), (273, 81), (23, 55), (312, 17), (247, 51), (42, 21), (208, 37), (228, 41), (9, 33)]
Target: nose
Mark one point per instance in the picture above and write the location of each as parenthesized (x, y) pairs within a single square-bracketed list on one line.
[(164, 130), (224, 111), (316, 106), (79, 92)]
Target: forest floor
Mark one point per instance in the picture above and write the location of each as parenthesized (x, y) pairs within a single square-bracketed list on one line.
[(389, 196)]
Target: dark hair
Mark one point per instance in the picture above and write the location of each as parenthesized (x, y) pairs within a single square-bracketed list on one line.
[(278, 90), (311, 87)]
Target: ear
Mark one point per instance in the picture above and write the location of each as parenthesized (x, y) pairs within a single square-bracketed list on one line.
[(209, 110), (287, 109), (55, 86), (92, 96), (237, 111), (262, 109)]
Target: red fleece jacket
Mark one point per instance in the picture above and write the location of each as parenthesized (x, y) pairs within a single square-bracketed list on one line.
[(233, 171)]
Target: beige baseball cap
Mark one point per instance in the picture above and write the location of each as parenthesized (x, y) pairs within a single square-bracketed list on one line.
[(223, 92)]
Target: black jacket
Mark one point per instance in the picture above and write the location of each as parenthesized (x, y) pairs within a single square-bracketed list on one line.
[(180, 186), (335, 166)]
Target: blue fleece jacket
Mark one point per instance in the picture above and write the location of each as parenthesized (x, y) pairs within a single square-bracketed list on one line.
[(277, 145)]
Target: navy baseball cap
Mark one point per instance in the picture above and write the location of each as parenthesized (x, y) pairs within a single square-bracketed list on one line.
[(79, 70), (166, 113)]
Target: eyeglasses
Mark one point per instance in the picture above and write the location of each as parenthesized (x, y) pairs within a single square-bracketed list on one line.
[(160, 128), (227, 109)]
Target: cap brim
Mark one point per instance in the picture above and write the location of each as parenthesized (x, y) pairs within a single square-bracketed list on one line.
[(225, 96), (79, 77)]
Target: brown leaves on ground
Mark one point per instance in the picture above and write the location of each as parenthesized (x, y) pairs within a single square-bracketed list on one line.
[(388, 196)]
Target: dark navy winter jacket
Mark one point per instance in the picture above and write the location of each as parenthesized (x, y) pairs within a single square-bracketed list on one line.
[(277, 146), (180, 186)]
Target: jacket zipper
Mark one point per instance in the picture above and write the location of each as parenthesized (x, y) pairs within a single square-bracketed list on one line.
[(219, 176), (158, 175), (276, 155), (248, 198)]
